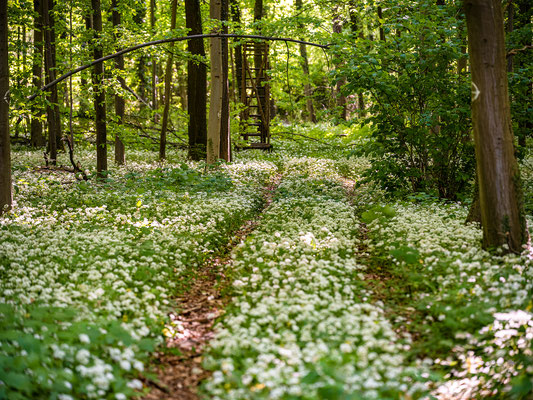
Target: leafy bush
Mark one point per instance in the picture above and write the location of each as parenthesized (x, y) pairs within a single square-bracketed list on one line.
[(421, 139)]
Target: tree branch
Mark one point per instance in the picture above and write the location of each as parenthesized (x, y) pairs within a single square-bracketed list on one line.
[(516, 51), (170, 40)]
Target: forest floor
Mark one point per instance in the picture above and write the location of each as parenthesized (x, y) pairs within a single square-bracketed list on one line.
[(277, 276)]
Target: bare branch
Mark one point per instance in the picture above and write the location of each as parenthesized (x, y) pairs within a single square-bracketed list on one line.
[(516, 51)]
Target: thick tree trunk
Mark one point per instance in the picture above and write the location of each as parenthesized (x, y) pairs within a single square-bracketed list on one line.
[(52, 110), (99, 93), (168, 86), (120, 104), (196, 84), (215, 106), (500, 194), (225, 137), (5, 151), (37, 138)]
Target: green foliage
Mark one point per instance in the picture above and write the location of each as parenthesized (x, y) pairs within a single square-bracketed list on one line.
[(421, 138), (48, 353)]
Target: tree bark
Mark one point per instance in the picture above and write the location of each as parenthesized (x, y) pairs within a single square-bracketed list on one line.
[(357, 32), (341, 99), (500, 195), (236, 18), (196, 84), (304, 62), (215, 106), (52, 110), (154, 64), (99, 93), (381, 30), (168, 86), (225, 137), (120, 103), (37, 138), (5, 151), (525, 14)]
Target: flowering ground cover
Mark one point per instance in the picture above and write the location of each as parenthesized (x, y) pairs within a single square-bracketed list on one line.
[(471, 309), (302, 326), (87, 270), (337, 293)]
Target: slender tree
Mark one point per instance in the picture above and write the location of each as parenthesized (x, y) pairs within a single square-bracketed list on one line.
[(52, 110), (341, 99), (215, 106), (154, 63), (304, 62), (196, 83), (357, 32), (99, 92), (168, 85), (498, 175), (37, 138), (120, 104), (225, 137), (236, 19), (5, 151)]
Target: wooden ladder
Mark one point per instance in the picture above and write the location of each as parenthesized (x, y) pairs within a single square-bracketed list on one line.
[(255, 95)]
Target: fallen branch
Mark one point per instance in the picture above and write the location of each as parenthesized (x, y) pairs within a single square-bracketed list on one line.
[(150, 382), (75, 166)]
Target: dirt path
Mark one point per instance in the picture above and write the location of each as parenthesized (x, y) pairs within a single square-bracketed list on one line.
[(191, 327)]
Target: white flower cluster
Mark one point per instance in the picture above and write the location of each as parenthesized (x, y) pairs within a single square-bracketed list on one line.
[(449, 250), (300, 327), (113, 252)]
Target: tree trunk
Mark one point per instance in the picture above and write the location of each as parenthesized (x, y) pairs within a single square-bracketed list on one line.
[(154, 64), (196, 84), (304, 62), (37, 138), (500, 196), (52, 110), (236, 18), (168, 86), (99, 93), (120, 104), (225, 137), (357, 32), (341, 99), (5, 151), (381, 31), (215, 106), (525, 14)]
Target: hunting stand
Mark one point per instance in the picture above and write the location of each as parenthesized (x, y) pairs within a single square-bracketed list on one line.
[(255, 95)]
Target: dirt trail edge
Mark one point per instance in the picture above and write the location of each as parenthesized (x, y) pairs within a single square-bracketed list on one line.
[(191, 327)]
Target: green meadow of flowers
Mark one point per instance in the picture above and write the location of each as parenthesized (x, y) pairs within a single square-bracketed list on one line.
[(338, 293), (88, 270)]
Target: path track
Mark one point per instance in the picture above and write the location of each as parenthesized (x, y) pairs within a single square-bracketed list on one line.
[(191, 327)]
